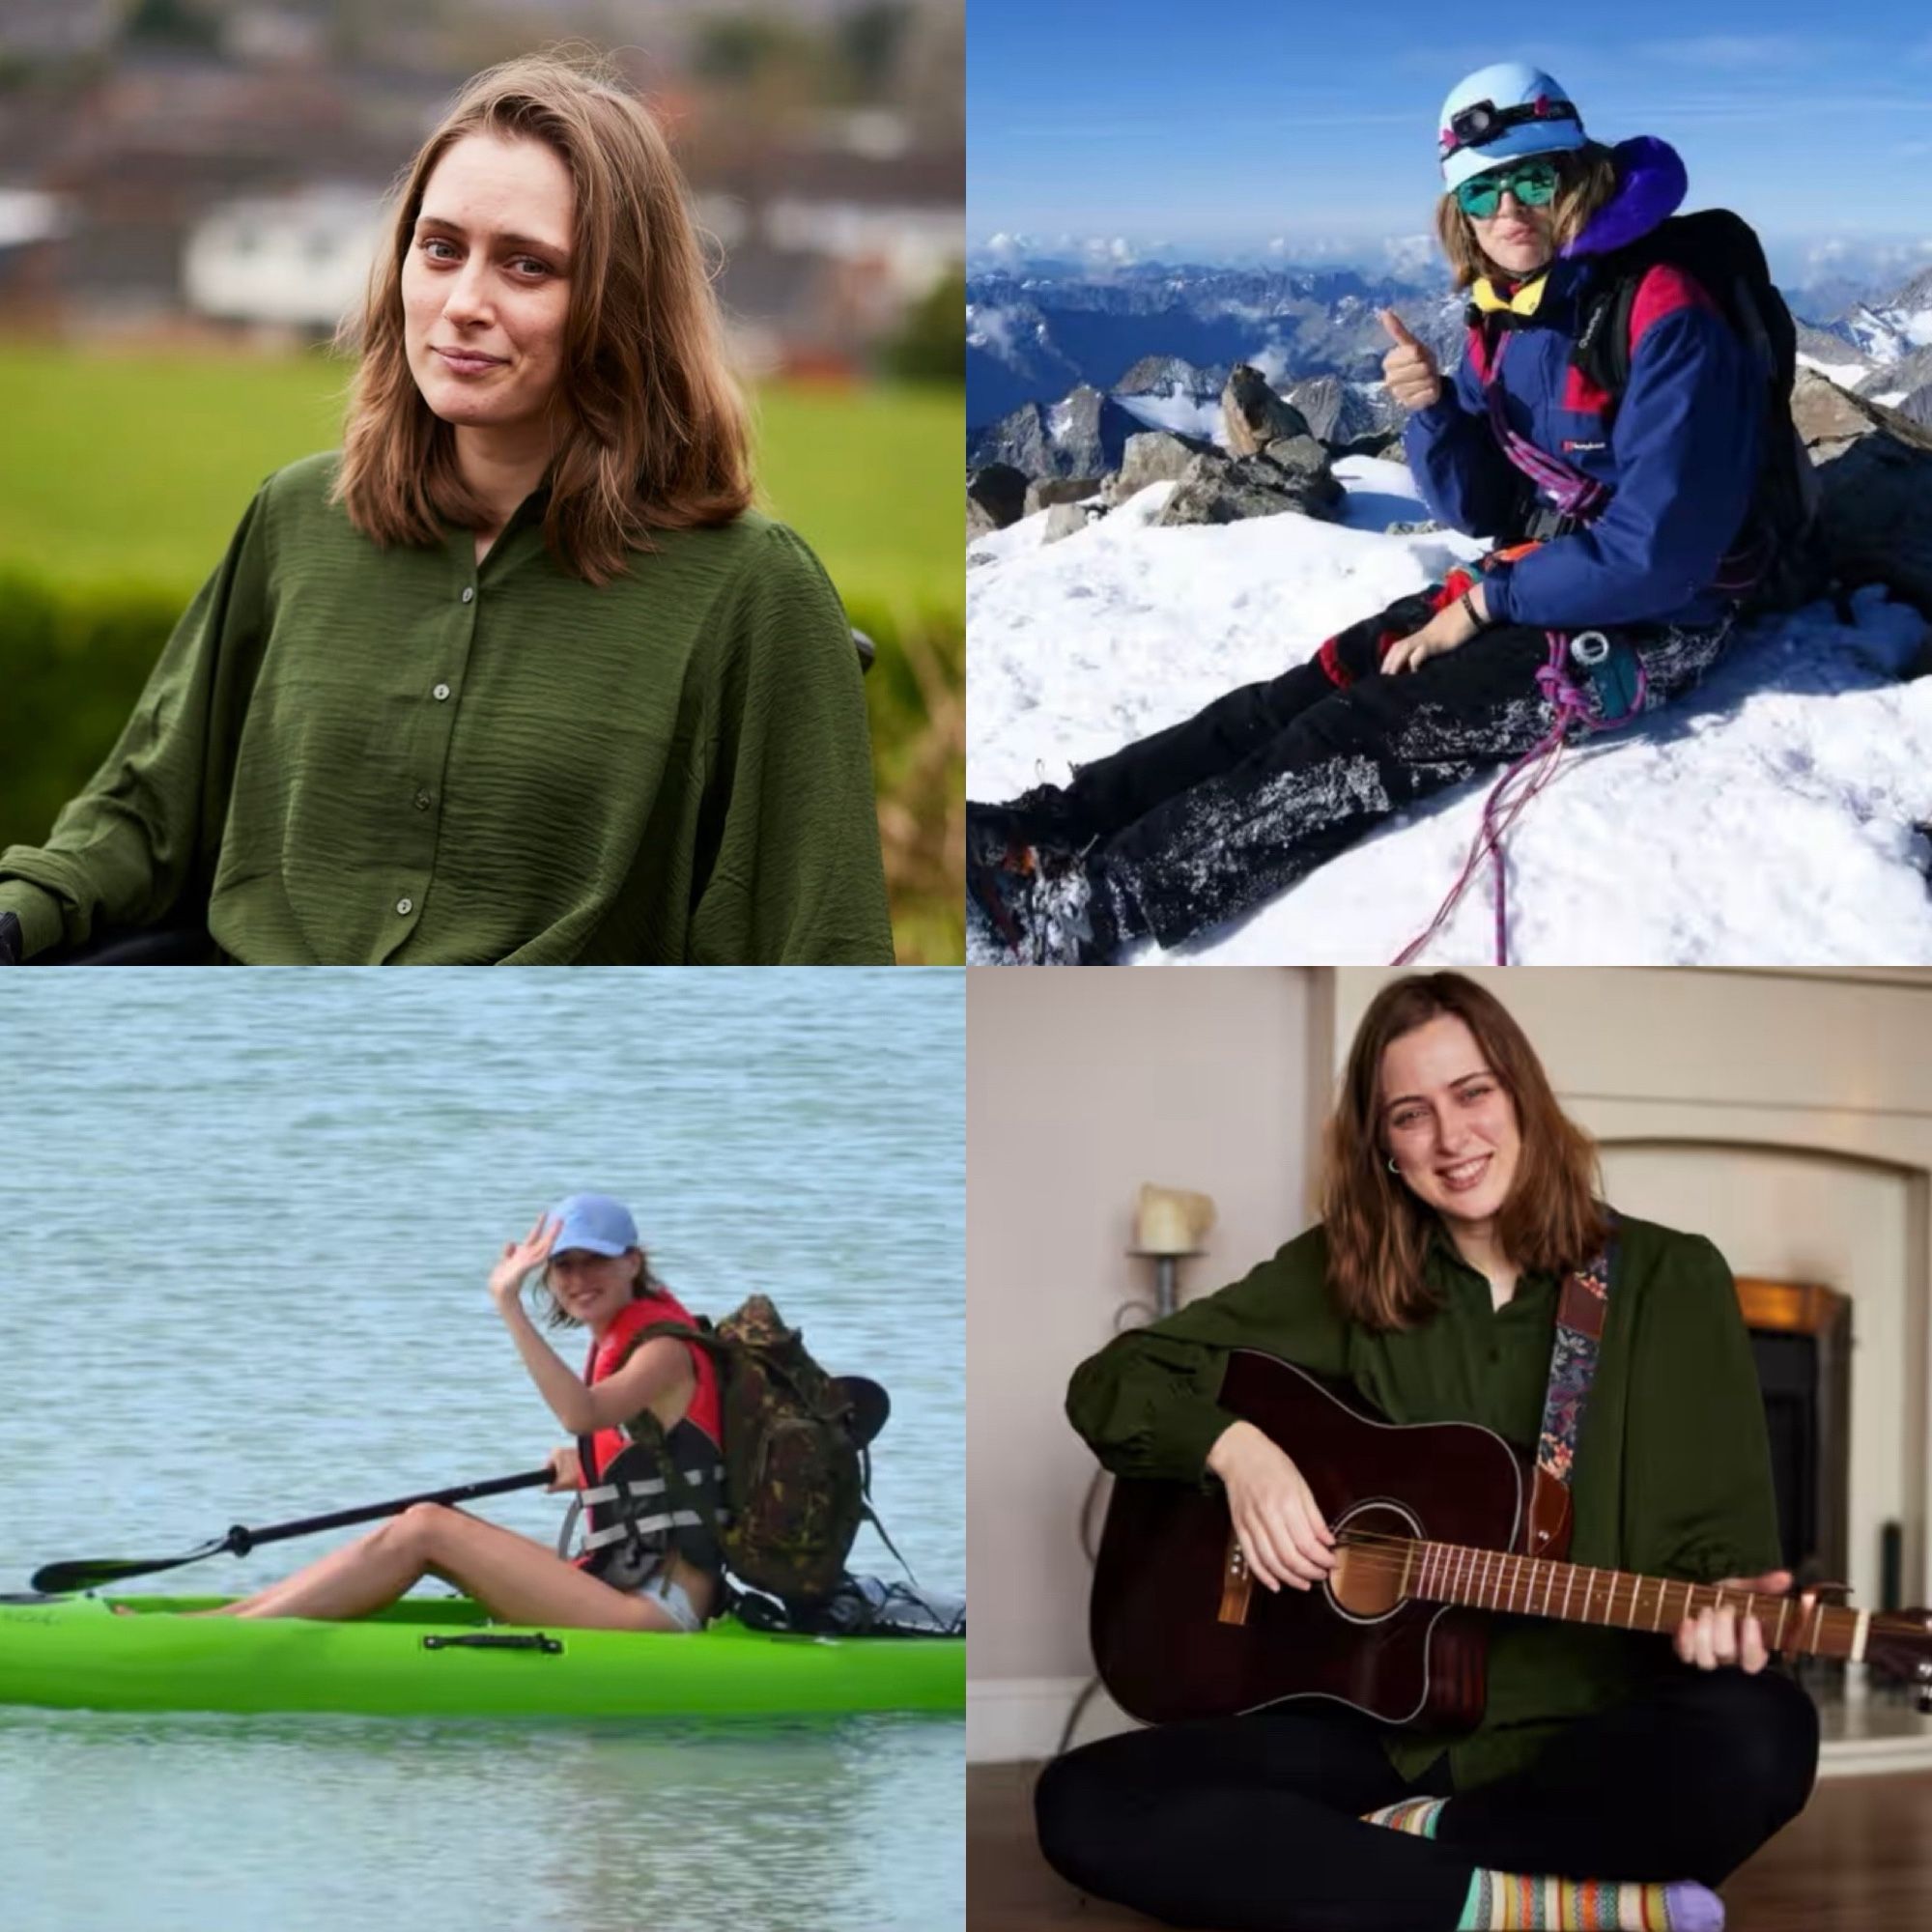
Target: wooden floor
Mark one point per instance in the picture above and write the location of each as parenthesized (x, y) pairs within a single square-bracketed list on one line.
[(1858, 1860)]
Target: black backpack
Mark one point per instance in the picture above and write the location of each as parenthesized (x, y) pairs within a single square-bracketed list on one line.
[(1723, 252)]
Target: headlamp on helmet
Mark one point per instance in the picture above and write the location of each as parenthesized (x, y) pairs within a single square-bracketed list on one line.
[(1483, 121)]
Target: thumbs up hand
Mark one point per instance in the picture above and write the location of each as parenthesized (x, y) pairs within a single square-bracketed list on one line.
[(1410, 368)]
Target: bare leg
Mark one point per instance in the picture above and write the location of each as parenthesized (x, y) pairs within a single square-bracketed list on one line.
[(366, 1575), (354, 1560), (514, 1578)]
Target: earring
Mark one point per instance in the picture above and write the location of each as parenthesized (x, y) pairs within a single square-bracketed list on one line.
[(1393, 1168)]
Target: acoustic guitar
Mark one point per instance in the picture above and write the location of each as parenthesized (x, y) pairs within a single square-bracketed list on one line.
[(1437, 1527)]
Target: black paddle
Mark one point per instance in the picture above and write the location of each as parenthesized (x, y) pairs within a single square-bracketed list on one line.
[(58, 1578)]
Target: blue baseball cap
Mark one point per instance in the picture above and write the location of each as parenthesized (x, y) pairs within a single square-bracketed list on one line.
[(596, 1222)]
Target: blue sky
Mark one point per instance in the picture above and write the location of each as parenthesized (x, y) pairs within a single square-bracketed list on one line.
[(1208, 130)]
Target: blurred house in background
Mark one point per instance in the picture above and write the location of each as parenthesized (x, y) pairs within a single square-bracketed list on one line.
[(827, 244), (290, 262), (30, 224), (209, 167)]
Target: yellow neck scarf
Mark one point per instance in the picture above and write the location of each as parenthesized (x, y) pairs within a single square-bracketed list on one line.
[(1524, 302)]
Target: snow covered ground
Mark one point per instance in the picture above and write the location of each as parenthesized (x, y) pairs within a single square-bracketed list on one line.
[(1187, 415), (1770, 817), (1847, 375)]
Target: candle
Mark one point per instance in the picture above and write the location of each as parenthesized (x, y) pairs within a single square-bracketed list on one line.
[(1171, 1221)]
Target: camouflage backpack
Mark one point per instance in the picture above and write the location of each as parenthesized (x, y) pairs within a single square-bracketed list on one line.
[(796, 1469)]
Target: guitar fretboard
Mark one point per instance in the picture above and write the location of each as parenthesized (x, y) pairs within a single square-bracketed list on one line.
[(1529, 1586)]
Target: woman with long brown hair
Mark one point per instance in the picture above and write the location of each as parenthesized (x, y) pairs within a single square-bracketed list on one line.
[(519, 674), (1628, 527), (1607, 1784)]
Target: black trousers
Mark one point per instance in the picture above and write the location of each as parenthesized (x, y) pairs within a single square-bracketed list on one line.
[(1254, 1822), (1215, 815)]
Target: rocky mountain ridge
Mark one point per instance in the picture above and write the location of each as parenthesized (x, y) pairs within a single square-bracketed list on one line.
[(1035, 337), (1029, 338)]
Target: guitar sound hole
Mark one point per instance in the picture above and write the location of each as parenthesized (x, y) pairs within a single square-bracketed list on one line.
[(1366, 1580)]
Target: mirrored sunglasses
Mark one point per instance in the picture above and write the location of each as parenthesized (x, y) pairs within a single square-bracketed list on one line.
[(1533, 184)]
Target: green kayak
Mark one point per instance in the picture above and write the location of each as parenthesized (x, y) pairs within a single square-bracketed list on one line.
[(443, 1658)]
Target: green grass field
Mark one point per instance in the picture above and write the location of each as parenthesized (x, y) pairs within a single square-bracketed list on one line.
[(137, 467), (127, 473)]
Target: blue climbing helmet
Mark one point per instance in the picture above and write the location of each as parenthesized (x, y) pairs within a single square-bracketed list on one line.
[(1500, 113)]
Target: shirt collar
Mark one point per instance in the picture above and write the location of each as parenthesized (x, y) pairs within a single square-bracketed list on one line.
[(1444, 1253), (1444, 1258), (1520, 298), (531, 510), (529, 513)]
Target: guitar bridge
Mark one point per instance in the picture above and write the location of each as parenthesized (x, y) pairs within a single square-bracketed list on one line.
[(1237, 1585)]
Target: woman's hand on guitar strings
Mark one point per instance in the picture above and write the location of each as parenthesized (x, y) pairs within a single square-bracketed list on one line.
[(1713, 1637), (1282, 1535)]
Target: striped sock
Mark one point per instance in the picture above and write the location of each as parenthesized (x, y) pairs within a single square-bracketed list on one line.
[(1409, 1814), (1505, 1901)]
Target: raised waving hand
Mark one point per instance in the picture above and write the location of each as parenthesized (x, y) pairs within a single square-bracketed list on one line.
[(518, 1258)]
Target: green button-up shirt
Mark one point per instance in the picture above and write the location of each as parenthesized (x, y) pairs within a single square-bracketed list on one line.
[(357, 756), (1673, 1472)]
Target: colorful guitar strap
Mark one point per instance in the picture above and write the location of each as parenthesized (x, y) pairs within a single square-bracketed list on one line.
[(1573, 1361)]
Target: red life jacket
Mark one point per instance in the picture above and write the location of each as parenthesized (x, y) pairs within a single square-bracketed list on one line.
[(643, 1513), (613, 1350)]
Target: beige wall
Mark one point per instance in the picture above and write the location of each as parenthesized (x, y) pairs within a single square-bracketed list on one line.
[(1842, 1047), (1080, 1087), (1788, 1116), (1793, 1217)]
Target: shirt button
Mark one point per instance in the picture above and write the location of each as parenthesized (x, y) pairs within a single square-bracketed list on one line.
[(406, 907), (441, 693), (468, 595), (423, 801)]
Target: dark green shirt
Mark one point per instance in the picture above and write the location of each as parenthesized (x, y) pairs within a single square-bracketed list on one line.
[(1672, 1474), (358, 756)]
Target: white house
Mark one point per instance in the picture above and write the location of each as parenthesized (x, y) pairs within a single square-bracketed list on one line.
[(300, 260)]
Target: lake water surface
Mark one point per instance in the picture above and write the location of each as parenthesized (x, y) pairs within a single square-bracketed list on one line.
[(247, 1219)]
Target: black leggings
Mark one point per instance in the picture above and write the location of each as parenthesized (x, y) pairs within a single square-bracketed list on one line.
[(1217, 814), (1254, 1822)]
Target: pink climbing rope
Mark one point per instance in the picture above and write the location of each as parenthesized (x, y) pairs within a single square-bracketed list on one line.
[(1503, 807)]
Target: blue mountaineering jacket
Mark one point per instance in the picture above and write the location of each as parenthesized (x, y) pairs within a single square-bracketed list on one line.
[(1679, 451)]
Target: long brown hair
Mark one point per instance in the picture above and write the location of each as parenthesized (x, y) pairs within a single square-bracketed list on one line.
[(658, 438), (1378, 1230), (1586, 181)]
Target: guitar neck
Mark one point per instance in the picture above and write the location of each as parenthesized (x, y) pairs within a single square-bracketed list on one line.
[(1527, 1586)]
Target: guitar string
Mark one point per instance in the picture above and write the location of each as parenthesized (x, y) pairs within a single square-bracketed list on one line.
[(1385, 1547), (1382, 1550)]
